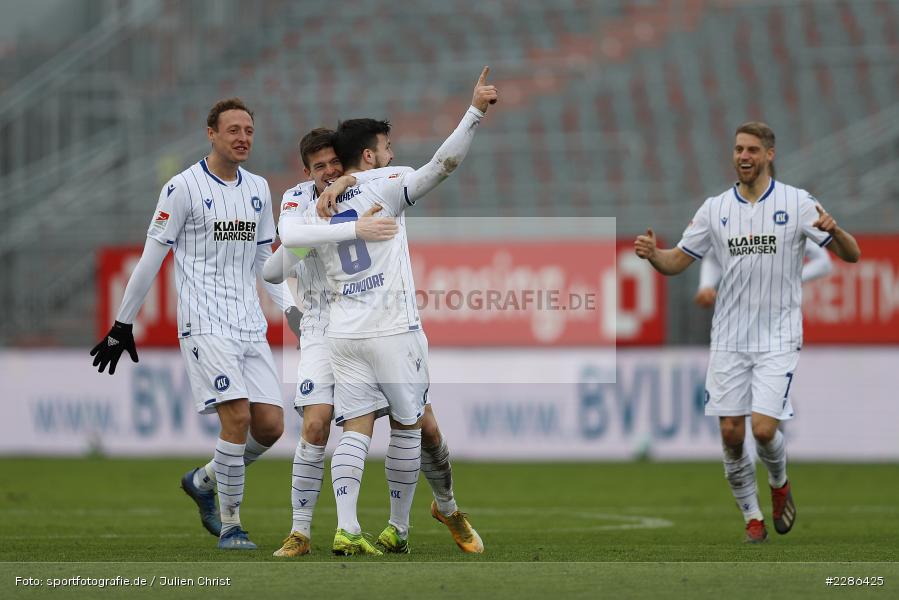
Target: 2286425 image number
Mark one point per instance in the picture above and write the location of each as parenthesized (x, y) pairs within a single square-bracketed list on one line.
[(854, 581)]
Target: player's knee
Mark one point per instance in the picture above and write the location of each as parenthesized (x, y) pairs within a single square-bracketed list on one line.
[(430, 433), (731, 434), (764, 432), (315, 431), (235, 422)]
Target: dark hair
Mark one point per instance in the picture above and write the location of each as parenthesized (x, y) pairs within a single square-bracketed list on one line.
[(763, 132), (212, 120), (353, 137), (317, 139)]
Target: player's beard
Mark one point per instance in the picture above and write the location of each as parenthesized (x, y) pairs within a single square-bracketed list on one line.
[(749, 178)]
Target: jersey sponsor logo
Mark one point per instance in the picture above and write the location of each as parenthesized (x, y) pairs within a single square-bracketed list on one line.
[(170, 190), (418, 364), (724, 221), (289, 206), (234, 231), (306, 387), (781, 217), (256, 203), (196, 352), (369, 283), (222, 383), (394, 176), (752, 244), (298, 193), (208, 202)]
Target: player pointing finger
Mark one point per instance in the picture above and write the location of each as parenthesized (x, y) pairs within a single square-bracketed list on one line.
[(484, 94)]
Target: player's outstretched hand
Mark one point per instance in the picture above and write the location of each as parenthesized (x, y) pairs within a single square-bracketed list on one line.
[(375, 229), (294, 318), (705, 297), (825, 222), (645, 245), (327, 202), (484, 94), (110, 348)]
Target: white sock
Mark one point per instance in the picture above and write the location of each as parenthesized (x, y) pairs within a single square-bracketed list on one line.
[(402, 465), (347, 466), (229, 471), (308, 471), (438, 471), (774, 455), (204, 477), (740, 474), (253, 450)]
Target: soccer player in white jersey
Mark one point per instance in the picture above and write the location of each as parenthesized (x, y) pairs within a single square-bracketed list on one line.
[(315, 380), (375, 337), (818, 265), (757, 231), (218, 219)]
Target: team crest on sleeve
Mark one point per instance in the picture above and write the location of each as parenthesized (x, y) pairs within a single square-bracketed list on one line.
[(257, 203), (781, 217)]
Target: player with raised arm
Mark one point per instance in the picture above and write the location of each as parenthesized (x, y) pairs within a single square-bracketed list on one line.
[(757, 231), (217, 218), (818, 265), (375, 337), (315, 380)]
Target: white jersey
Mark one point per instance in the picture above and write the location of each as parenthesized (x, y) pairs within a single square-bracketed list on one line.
[(214, 228), (760, 247), (312, 284), (371, 282)]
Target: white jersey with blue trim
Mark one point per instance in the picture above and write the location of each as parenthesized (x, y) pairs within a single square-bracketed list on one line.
[(373, 293), (760, 247), (312, 283), (214, 228)]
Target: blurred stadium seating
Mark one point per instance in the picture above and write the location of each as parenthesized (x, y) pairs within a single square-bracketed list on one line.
[(614, 108)]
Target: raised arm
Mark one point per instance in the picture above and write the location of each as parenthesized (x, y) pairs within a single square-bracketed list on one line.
[(842, 244), (455, 148), (669, 261)]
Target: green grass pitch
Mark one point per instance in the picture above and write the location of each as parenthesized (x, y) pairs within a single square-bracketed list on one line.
[(616, 530)]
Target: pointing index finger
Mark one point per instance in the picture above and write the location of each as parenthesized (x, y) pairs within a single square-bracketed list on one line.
[(483, 78)]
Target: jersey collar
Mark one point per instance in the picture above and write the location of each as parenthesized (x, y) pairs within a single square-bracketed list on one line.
[(744, 201), (208, 172)]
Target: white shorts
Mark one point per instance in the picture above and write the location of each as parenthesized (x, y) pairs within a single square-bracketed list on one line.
[(221, 369), (369, 370), (740, 383), (315, 378)]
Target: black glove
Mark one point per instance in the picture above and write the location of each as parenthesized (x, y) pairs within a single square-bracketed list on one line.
[(110, 348), (294, 317)]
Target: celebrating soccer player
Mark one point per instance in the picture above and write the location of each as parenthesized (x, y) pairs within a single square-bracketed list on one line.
[(218, 218), (315, 379), (377, 347), (757, 231)]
